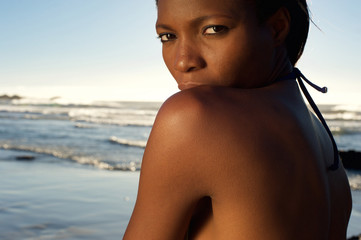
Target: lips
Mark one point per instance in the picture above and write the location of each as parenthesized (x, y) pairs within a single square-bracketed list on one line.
[(184, 86)]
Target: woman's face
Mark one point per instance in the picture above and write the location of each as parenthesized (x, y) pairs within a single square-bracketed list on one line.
[(214, 42)]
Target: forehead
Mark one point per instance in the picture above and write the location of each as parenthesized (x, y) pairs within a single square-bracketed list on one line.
[(195, 8)]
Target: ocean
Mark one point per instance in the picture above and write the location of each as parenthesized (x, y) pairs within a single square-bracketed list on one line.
[(106, 135), (110, 137)]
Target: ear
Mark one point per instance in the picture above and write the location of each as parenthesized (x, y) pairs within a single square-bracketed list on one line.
[(279, 24)]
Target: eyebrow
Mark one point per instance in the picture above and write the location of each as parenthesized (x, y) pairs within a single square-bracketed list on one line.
[(196, 20)]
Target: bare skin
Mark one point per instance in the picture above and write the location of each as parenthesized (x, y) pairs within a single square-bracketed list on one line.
[(235, 155)]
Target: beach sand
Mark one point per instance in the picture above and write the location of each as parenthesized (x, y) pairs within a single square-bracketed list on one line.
[(45, 200)]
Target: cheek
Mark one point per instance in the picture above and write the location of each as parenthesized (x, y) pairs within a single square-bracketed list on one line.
[(166, 57), (252, 55), (241, 63), (168, 60), (230, 60)]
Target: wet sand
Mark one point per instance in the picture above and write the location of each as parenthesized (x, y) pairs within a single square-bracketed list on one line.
[(58, 201)]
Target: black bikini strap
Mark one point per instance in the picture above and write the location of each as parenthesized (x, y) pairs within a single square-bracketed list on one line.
[(299, 76)]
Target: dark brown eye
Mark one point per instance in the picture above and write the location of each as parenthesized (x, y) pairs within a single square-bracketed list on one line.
[(214, 29), (166, 37)]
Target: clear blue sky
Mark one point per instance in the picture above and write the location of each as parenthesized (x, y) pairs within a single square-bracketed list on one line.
[(108, 50)]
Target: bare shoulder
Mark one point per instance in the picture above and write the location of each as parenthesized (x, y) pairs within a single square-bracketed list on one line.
[(218, 142), (214, 131), (253, 153), (204, 123), (171, 179)]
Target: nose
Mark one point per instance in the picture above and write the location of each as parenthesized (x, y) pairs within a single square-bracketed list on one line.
[(188, 58)]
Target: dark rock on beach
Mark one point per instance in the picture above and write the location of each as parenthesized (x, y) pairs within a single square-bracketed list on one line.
[(7, 97), (25, 158), (355, 237), (351, 159)]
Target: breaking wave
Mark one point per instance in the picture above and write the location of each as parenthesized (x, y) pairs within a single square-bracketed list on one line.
[(129, 143), (354, 180), (83, 160)]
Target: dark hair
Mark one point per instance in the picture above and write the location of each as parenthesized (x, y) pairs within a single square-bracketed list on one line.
[(300, 22)]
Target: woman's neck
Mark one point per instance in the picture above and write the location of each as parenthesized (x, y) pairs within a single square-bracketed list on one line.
[(282, 65)]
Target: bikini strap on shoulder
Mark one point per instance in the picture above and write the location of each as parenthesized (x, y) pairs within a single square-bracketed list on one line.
[(299, 76)]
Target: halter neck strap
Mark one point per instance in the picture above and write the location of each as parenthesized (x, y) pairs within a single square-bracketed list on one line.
[(296, 74)]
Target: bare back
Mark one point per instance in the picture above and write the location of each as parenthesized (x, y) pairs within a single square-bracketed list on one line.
[(225, 163), (287, 183)]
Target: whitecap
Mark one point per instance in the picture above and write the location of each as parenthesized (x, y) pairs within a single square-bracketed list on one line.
[(126, 142)]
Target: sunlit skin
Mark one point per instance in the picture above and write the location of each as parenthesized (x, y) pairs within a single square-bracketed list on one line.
[(235, 154)]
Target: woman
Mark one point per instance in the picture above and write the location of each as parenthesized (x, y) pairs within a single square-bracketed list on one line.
[(236, 154)]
